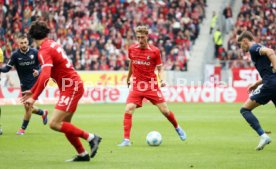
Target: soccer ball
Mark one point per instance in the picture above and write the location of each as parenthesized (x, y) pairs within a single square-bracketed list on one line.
[(154, 138)]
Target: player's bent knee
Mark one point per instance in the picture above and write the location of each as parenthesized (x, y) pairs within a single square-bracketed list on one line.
[(130, 109), (53, 124), (166, 112), (243, 110)]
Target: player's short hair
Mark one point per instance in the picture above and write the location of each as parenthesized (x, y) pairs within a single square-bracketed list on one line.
[(246, 34), (22, 36), (142, 29), (39, 30)]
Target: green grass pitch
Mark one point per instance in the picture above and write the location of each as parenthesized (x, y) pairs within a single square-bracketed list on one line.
[(218, 138)]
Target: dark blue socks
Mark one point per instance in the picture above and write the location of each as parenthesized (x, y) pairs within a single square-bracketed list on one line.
[(39, 112), (25, 124), (252, 120)]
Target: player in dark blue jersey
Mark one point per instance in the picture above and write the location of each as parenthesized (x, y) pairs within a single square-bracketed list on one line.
[(26, 63), (263, 90)]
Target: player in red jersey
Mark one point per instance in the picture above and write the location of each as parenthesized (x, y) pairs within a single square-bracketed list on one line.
[(144, 58), (55, 64)]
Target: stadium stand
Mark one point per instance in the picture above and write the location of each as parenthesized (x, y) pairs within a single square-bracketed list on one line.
[(96, 34), (257, 16)]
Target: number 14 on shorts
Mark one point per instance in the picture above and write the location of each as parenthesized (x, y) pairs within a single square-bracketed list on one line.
[(64, 100)]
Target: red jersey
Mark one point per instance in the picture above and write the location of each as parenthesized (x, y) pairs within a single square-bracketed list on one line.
[(144, 62), (55, 64)]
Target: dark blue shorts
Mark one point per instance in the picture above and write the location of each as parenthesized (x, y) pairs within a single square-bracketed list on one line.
[(264, 94), (25, 87)]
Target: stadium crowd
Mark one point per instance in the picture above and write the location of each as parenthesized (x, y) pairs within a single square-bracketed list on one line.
[(258, 16), (96, 34)]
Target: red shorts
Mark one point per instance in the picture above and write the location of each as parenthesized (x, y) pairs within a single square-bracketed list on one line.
[(136, 97), (68, 99)]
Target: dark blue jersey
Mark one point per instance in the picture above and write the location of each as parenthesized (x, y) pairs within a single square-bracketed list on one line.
[(24, 63), (262, 63)]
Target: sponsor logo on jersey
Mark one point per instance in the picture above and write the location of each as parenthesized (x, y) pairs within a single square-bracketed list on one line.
[(27, 63), (140, 62)]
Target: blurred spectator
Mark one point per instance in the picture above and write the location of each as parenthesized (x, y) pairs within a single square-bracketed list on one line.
[(259, 17), (96, 34), (228, 15)]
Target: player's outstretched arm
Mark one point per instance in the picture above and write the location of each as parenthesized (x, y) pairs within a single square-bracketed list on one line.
[(9, 65), (270, 54), (27, 100), (5, 69), (41, 82), (25, 96), (254, 86)]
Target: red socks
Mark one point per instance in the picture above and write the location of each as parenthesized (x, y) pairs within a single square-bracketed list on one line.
[(172, 119), (75, 141), (70, 129), (127, 125)]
